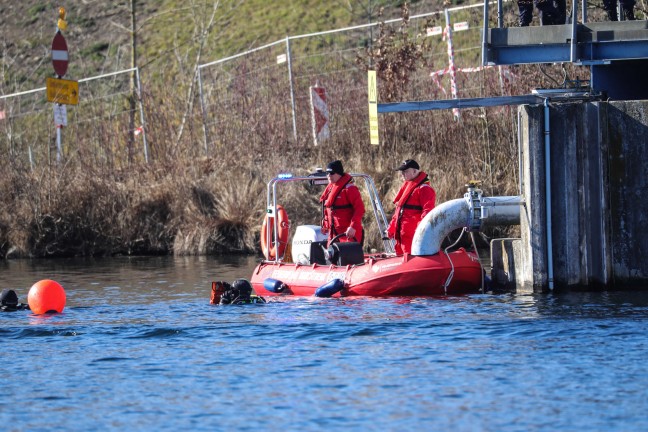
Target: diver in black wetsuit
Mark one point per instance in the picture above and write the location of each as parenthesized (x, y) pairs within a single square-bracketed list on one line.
[(239, 292), (9, 301)]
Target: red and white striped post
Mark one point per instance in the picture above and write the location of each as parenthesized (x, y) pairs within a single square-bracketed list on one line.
[(320, 114), (451, 63)]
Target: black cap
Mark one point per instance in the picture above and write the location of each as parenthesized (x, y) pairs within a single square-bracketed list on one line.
[(409, 163), (335, 167), (8, 298)]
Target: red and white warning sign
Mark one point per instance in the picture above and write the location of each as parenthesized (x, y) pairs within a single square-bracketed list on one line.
[(320, 114), (59, 54), (461, 26), (433, 31)]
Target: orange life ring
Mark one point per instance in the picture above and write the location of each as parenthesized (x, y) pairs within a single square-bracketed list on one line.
[(267, 231)]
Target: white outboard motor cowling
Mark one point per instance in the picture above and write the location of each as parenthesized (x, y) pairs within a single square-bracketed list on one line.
[(301, 243)]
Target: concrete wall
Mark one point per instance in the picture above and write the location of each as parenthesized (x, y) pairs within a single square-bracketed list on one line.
[(532, 271), (505, 254), (599, 174), (627, 146)]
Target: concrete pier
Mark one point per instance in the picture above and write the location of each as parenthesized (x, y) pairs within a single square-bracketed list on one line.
[(584, 222), (599, 215)]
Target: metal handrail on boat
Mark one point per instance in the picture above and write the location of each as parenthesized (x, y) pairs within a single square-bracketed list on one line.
[(376, 206)]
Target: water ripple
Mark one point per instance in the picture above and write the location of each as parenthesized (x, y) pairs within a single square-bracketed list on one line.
[(37, 333), (111, 359), (156, 333)]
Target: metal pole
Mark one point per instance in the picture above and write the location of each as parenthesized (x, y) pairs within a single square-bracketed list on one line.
[(584, 7), (485, 35), (202, 106), (131, 112), (500, 17), (141, 110), (573, 48), (292, 90), (58, 132), (58, 144), (519, 146), (547, 139)]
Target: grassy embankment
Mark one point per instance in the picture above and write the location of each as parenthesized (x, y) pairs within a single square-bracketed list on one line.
[(184, 203)]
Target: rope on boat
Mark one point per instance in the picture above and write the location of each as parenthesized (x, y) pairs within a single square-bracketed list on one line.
[(451, 275)]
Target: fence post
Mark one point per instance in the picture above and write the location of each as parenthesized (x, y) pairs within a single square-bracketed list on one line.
[(202, 106), (141, 110), (485, 32), (451, 63), (292, 90)]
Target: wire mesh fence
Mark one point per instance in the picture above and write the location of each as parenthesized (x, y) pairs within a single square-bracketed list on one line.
[(263, 95), (260, 97), (104, 129)]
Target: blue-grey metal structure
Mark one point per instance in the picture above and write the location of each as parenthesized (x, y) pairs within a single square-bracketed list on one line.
[(596, 43), (616, 52)]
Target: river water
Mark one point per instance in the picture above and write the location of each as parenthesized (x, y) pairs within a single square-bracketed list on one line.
[(139, 347)]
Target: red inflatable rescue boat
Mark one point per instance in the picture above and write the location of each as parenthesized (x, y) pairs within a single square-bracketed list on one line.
[(316, 267)]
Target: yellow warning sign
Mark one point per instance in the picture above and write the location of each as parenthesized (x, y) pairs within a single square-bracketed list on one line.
[(62, 91), (373, 108)]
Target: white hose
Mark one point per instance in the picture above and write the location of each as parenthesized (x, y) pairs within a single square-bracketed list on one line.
[(437, 224), (454, 214)]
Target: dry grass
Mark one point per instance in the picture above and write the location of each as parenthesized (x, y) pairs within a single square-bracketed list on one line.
[(185, 203)]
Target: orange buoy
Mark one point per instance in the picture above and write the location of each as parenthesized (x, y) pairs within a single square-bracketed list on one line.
[(46, 296)]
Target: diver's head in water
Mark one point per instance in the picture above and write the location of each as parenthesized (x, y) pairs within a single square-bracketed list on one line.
[(8, 298), (9, 301), (243, 287), (239, 292)]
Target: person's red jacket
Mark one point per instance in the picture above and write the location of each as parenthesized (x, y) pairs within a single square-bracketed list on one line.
[(415, 199), (343, 207)]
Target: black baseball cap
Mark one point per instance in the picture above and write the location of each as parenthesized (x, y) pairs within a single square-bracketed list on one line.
[(409, 163)]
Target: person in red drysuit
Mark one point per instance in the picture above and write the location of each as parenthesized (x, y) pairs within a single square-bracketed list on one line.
[(342, 206), (414, 200)]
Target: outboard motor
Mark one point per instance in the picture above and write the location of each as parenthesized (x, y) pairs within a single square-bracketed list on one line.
[(306, 247)]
